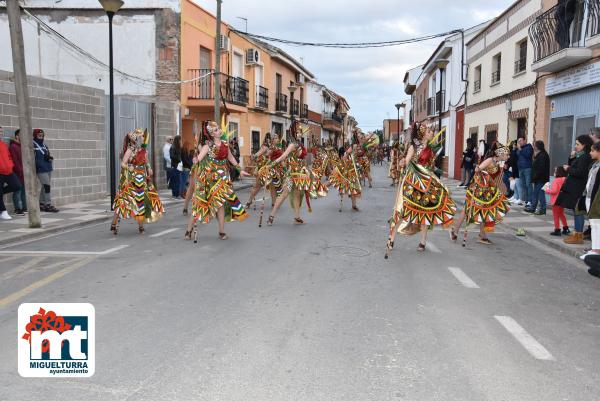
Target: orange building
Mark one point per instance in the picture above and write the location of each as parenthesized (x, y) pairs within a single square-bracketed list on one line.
[(255, 81)]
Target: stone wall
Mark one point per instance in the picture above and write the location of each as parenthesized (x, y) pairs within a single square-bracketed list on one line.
[(72, 117), (165, 125)]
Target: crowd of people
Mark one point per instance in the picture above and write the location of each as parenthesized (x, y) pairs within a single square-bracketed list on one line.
[(12, 179)]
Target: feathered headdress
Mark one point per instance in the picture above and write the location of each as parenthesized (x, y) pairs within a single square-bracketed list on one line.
[(225, 133), (372, 141)]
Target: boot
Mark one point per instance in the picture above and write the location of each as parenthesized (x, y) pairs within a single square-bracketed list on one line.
[(574, 239), (566, 231), (556, 232)]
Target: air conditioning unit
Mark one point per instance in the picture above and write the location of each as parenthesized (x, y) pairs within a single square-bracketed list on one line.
[(224, 43), (299, 78), (252, 56)]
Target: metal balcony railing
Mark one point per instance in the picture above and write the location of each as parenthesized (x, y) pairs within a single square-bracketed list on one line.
[(431, 106), (477, 86), (262, 97), (295, 107), (552, 31), (495, 77), (520, 65), (281, 102), (333, 116), (304, 113), (440, 101), (233, 89)]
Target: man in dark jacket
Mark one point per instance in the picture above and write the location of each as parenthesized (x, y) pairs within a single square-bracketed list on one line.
[(43, 168), (19, 199), (540, 175), (524, 162)]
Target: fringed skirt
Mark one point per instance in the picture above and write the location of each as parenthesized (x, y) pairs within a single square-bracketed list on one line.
[(213, 191), (423, 200), (485, 202), (345, 178), (137, 198)]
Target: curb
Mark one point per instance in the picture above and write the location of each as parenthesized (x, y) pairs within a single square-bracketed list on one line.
[(564, 249), (79, 224)]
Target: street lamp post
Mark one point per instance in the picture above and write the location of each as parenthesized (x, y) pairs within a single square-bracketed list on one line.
[(292, 88), (398, 105), (111, 7)]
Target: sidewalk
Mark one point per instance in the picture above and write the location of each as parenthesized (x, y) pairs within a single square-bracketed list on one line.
[(74, 216), (536, 227)]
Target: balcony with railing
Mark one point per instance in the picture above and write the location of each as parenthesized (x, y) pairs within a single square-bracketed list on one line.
[(281, 103), (561, 39), (496, 77), (477, 86), (304, 111), (332, 121), (233, 89), (295, 107), (262, 97), (436, 104), (520, 65)]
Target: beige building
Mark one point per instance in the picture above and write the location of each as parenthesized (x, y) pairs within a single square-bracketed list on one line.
[(501, 85)]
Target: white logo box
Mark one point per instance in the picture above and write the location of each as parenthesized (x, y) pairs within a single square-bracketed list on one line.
[(78, 364)]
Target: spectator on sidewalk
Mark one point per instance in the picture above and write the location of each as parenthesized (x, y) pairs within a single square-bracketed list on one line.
[(176, 168), (19, 198), (43, 168), (558, 212), (187, 160), (540, 175), (572, 190), (468, 164), (524, 162), (167, 158), (592, 205), (515, 181), (9, 182)]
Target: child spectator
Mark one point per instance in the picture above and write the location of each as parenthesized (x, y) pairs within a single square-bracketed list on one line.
[(558, 212)]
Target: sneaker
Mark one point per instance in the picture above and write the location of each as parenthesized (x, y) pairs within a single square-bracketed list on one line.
[(582, 257), (19, 212), (51, 209), (528, 210), (556, 232), (5, 216), (43, 208), (540, 212), (528, 205)]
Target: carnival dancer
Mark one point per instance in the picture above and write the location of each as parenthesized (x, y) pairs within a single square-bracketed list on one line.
[(422, 201), (268, 176), (297, 181), (319, 171), (136, 198), (486, 203), (213, 193), (260, 159), (363, 155), (346, 177)]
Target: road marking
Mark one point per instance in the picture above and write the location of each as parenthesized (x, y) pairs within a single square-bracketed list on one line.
[(462, 277), (27, 265), (15, 296), (536, 349), (159, 234), (9, 258), (433, 248), (65, 253)]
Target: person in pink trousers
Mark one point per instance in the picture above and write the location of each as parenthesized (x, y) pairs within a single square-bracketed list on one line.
[(558, 212)]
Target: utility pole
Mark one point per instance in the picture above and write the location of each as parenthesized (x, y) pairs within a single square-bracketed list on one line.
[(217, 75), (25, 125)]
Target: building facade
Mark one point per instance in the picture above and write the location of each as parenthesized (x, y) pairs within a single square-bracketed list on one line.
[(565, 55), (501, 91)]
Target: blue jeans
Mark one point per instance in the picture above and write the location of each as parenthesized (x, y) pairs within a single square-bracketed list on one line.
[(526, 190), (19, 199), (538, 196), (175, 181), (506, 180), (183, 182), (579, 221)]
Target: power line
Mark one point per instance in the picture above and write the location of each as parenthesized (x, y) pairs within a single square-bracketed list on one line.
[(357, 45)]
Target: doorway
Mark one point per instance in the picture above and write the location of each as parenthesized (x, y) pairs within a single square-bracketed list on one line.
[(522, 128), (561, 140), (255, 141)]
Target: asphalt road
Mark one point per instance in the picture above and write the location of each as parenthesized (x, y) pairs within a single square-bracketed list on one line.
[(310, 312)]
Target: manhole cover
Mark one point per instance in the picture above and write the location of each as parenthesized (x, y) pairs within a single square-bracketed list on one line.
[(349, 251)]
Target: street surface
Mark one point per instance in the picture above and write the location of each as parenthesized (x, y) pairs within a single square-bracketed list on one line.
[(310, 312)]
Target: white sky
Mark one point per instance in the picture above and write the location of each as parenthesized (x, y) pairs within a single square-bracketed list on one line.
[(370, 79)]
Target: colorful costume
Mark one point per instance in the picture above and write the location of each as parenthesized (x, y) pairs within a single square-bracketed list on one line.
[(394, 171), (486, 201), (345, 176), (272, 175), (319, 169), (214, 187), (423, 199), (136, 197)]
